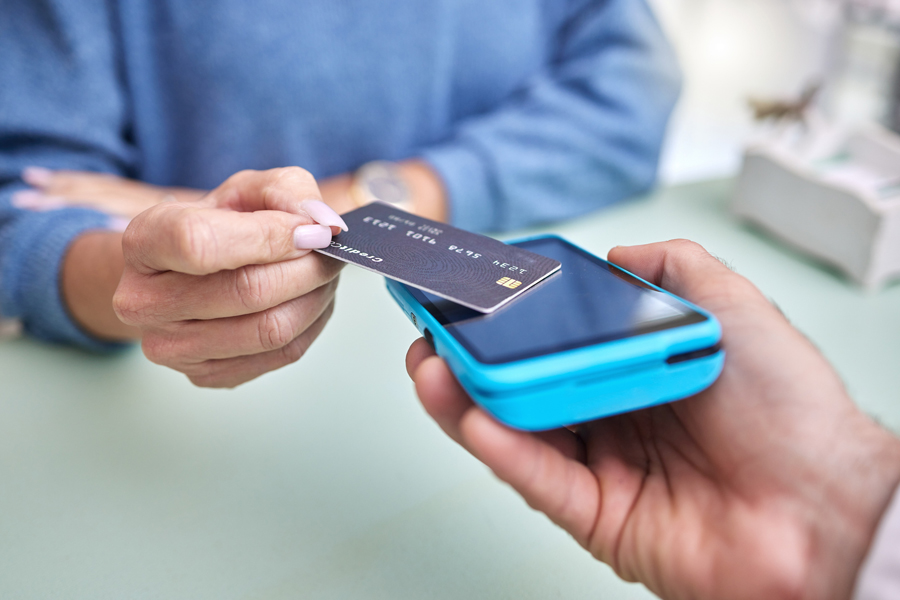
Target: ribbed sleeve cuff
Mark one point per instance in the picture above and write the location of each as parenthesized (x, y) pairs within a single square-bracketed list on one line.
[(469, 188), (34, 274)]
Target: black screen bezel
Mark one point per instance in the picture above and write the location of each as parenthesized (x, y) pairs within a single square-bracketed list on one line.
[(691, 318)]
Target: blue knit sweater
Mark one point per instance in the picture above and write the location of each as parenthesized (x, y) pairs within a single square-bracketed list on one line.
[(530, 110)]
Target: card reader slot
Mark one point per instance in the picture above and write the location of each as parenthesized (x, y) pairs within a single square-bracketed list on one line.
[(693, 354)]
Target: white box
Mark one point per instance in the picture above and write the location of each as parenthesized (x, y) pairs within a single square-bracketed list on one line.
[(843, 209)]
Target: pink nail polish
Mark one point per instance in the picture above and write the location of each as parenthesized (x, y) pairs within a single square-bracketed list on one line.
[(25, 198), (118, 223), (312, 236), (37, 176), (323, 214), (35, 200)]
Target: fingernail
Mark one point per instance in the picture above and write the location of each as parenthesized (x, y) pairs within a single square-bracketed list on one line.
[(312, 236), (323, 214), (25, 198), (34, 200), (119, 224), (37, 176)]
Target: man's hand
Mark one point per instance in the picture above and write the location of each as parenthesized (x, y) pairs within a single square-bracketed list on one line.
[(225, 289), (769, 484)]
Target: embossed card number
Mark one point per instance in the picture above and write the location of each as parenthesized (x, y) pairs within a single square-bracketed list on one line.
[(452, 263)]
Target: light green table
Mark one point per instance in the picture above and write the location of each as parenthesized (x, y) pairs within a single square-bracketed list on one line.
[(118, 479)]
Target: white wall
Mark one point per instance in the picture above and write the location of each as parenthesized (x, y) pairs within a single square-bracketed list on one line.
[(730, 50)]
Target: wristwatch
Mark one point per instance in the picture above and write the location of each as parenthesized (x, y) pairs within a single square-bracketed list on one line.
[(380, 180)]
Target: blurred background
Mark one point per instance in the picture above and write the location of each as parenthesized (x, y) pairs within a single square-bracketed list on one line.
[(731, 50)]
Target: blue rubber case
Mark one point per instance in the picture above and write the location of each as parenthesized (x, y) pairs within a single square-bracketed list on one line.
[(585, 383)]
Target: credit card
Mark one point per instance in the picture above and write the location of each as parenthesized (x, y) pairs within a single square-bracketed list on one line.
[(473, 270)]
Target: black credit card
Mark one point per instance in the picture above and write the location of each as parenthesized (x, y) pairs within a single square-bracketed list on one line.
[(473, 270)]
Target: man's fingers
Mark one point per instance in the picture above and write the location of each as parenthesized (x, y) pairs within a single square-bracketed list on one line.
[(190, 238), (196, 341), (441, 395), (676, 265), (231, 372), (418, 351), (549, 481), (166, 297), (546, 468), (447, 402), (687, 269)]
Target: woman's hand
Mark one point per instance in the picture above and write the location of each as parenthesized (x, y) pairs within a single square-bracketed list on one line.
[(769, 484), (127, 198), (225, 289), (114, 195)]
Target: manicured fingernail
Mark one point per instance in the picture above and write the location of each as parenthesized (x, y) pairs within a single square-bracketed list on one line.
[(323, 214), (34, 200), (118, 223), (312, 236), (37, 176), (25, 198)]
